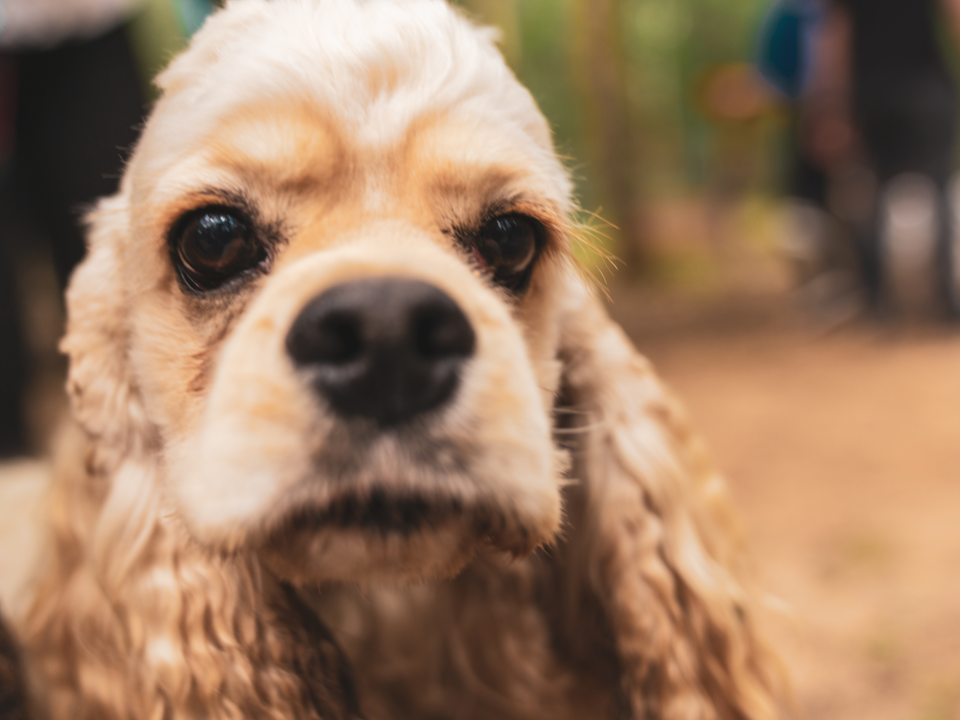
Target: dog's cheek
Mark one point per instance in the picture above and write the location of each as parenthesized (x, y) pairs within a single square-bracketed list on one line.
[(170, 361), (539, 320), (510, 431), (252, 431)]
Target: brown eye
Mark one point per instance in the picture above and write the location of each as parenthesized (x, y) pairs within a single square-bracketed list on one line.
[(507, 246), (213, 245)]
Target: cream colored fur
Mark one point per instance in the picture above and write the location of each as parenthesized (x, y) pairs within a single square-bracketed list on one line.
[(609, 582)]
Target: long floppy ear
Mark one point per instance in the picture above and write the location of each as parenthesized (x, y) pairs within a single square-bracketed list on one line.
[(651, 544), (103, 398)]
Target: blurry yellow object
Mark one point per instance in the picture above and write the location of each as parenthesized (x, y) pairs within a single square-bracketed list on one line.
[(501, 14), (161, 30), (733, 92)]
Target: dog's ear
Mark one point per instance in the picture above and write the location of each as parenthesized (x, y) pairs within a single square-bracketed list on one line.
[(651, 547), (104, 400)]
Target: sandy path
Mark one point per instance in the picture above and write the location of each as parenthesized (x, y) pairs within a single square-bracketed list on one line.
[(843, 454)]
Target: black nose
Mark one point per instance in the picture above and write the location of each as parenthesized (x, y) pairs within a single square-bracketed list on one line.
[(384, 348)]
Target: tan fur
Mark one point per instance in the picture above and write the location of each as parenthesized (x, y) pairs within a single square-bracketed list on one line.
[(606, 579)]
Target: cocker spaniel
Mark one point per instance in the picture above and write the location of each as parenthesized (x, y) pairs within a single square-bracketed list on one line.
[(357, 439)]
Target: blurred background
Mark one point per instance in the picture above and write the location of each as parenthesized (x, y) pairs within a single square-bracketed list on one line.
[(767, 196)]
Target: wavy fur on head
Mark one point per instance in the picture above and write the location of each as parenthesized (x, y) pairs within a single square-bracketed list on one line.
[(560, 547)]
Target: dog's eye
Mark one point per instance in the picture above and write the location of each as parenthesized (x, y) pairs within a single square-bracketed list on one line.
[(507, 246), (212, 246)]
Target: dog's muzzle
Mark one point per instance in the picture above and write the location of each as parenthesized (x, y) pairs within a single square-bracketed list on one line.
[(385, 425), (385, 349)]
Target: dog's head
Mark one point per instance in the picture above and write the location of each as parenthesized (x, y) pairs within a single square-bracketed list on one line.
[(325, 296)]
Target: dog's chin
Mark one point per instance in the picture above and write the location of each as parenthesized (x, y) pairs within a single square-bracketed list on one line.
[(399, 539)]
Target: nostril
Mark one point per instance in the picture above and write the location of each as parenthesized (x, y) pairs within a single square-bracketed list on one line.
[(339, 339), (331, 338), (441, 331)]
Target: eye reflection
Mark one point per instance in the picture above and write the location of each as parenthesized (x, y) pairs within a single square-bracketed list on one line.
[(212, 245), (507, 246)]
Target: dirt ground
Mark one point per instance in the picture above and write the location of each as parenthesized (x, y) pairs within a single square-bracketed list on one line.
[(842, 451)]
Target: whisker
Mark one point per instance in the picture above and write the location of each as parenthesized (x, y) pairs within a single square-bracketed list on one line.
[(593, 240), (580, 429), (570, 410)]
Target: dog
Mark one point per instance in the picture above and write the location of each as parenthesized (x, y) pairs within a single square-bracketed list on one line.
[(356, 438)]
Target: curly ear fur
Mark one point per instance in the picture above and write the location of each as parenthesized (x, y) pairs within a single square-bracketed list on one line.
[(139, 623), (651, 539), (132, 620), (103, 397), (13, 697)]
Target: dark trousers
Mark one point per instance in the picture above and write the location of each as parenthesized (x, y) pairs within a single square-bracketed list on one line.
[(68, 117), (908, 125)]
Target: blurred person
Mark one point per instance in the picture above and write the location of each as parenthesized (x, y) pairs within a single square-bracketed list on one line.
[(904, 107), (71, 104), (802, 55)]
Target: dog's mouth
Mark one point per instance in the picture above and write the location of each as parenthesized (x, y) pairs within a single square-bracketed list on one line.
[(378, 512), (401, 534)]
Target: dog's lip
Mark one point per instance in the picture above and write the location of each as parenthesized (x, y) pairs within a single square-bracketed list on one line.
[(380, 510), (401, 514)]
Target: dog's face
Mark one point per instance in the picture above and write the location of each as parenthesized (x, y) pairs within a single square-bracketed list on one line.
[(334, 264)]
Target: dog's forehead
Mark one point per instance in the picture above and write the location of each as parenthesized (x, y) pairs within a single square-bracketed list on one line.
[(372, 67), (292, 148)]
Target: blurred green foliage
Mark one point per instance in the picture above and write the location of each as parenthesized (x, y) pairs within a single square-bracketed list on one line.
[(161, 30), (667, 46)]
